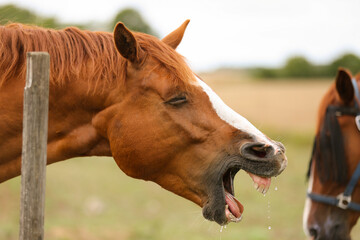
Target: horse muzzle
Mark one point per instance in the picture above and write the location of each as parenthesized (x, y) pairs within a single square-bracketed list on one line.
[(263, 160), (260, 161), (336, 231)]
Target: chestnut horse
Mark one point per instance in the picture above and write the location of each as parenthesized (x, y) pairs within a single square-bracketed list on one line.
[(132, 96), (333, 204)]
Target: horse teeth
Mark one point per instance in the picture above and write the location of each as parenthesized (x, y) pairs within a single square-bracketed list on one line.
[(231, 217), (261, 189), (266, 189), (234, 219)]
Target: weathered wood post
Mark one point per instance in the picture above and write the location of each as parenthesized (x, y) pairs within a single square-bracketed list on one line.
[(35, 128)]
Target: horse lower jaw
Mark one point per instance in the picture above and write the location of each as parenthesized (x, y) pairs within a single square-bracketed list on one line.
[(222, 207), (233, 208)]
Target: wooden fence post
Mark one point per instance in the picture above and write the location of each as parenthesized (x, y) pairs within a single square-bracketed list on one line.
[(33, 163)]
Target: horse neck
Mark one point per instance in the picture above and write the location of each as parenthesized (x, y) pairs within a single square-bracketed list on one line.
[(79, 90), (72, 106), (78, 101)]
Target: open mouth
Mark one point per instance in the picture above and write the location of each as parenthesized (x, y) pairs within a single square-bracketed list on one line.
[(233, 208)]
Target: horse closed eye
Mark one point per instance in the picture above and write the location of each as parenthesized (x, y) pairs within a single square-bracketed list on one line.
[(177, 101)]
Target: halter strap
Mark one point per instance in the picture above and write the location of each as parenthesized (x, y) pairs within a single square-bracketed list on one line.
[(334, 201), (353, 181), (356, 175), (357, 94), (343, 200)]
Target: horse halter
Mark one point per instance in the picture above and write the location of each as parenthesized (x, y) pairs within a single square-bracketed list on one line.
[(343, 200)]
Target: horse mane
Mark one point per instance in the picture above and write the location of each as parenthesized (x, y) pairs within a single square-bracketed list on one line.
[(328, 149), (79, 54)]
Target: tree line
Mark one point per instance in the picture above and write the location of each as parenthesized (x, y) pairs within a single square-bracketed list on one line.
[(11, 13), (300, 67)]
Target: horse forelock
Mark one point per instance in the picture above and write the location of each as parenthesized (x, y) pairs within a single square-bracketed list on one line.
[(328, 150), (80, 54)]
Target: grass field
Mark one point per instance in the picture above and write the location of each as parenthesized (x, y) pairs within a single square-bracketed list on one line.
[(90, 198)]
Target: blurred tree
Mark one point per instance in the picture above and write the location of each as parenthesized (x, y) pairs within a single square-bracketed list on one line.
[(298, 67), (261, 72), (132, 20), (349, 61), (10, 14)]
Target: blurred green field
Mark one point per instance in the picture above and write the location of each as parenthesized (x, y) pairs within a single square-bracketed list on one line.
[(90, 198)]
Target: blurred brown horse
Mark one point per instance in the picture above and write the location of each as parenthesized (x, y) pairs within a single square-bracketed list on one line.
[(333, 204), (131, 96)]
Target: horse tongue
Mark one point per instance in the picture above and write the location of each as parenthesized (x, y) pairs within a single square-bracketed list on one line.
[(235, 207)]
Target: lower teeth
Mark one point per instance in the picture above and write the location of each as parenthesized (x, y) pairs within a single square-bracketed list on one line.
[(232, 217)]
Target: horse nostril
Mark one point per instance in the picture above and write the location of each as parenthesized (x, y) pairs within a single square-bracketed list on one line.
[(313, 232), (258, 150)]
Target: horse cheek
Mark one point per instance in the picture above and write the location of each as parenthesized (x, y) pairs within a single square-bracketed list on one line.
[(121, 154), (134, 148)]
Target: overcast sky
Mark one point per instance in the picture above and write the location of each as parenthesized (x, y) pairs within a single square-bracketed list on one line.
[(232, 32)]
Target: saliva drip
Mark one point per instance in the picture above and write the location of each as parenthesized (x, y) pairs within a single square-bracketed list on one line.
[(222, 227), (269, 208), (268, 212)]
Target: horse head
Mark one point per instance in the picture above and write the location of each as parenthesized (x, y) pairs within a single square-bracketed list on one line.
[(335, 157), (164, 124)]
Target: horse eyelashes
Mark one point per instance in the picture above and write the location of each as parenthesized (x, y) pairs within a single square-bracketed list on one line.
[(176, 101)]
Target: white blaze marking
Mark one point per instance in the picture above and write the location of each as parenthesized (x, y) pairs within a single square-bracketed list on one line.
[(308, 203), (232, 117)]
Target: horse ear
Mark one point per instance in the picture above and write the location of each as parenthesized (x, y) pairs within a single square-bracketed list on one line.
[(344, 86), (175, 37), (126, 43)]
